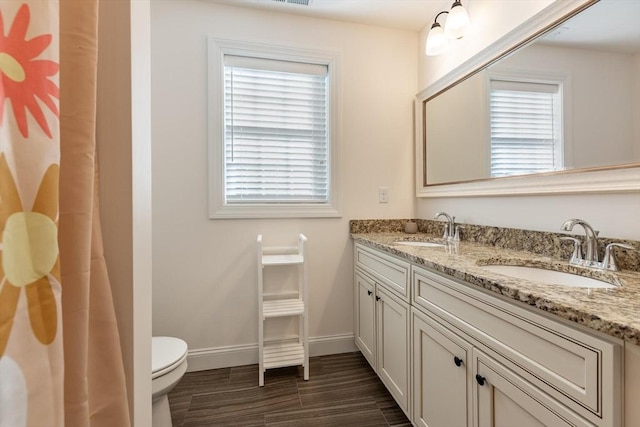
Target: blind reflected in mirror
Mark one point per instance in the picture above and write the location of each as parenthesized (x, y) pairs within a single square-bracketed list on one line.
[(568, 101)]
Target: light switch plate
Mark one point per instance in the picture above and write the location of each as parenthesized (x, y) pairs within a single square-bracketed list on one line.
[(383, 195)]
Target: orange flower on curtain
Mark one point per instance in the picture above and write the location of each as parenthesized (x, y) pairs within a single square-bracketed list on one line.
[(31, 346), (29, 257), (24, 77)]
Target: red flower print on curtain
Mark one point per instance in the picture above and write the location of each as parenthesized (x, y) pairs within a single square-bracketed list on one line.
[(31, 342), (23, 77)]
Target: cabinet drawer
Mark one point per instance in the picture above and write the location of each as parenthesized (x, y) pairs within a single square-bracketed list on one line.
[(575, 367), (390, 272)]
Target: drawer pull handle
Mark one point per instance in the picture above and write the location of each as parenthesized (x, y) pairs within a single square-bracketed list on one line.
[(480, 379), (377, 298), (369, 292), (457, 361)]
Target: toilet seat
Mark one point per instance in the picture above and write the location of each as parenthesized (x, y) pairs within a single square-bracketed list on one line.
[(166, 354)]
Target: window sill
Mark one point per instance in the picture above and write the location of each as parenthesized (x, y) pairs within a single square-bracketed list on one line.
[(273, 211)]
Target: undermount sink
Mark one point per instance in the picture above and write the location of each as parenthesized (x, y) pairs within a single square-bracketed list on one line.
[(549, 277), (419, 244)]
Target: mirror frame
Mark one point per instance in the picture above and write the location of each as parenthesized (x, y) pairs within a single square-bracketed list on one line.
[(624, 178)]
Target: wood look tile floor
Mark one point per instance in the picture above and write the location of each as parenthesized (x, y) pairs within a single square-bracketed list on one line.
[(342, 390)]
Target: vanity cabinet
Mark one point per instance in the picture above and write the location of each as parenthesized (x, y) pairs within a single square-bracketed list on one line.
[(365, 322), (517, 367), (502, 398), (456, 384), (392, 356), (382, 318), (453, 354), (442, 375)]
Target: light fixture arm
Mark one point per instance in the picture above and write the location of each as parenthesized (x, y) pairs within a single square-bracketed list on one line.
[(435, 21)]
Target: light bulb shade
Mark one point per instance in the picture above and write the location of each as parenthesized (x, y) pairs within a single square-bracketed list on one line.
[(457, 21), (437, 42)]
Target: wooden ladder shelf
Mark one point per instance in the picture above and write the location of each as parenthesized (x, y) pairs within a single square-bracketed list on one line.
[(281, 354)]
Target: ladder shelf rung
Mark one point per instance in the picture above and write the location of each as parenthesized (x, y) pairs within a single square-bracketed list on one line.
[(279, 250), (282, 259), (282, 307), (283, 354)]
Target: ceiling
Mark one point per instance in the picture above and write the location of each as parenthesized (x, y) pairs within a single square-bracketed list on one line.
[(404, 14), (609, 24)]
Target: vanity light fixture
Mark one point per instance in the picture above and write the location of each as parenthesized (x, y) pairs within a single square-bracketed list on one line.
[(437, 41), (457, 21), (455, 28)]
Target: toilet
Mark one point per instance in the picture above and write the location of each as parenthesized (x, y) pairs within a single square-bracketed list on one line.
[(168, 365)]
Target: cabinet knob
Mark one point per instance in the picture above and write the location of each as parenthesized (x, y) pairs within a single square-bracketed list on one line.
[(377, 298), (369, 292), (480, 379), (457, 361)]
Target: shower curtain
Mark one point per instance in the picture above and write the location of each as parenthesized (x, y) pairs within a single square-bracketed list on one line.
[(60, 358)]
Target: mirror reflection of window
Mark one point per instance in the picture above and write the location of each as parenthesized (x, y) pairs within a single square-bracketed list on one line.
[(598, 68), (525, 127)]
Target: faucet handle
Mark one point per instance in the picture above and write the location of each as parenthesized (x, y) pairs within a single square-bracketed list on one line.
[(576, 257), (456, 235), (610, 263), (445, 235)]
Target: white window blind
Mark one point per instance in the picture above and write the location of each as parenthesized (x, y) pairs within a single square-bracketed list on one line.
[(276, 148), (526, 128)]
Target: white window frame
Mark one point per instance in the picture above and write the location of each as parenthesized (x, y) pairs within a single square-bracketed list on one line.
[(563, 80), (218, 208)]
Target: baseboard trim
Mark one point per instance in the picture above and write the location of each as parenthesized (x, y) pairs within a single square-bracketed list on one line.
[(201, 359)]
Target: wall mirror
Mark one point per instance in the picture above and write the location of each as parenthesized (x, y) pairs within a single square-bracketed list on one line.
[(551, 106)]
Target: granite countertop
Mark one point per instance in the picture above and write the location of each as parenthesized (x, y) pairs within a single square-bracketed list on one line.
[(614, 311)]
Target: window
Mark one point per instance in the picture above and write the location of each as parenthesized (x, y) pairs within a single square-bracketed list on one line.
[(273, 140), (526, 127)]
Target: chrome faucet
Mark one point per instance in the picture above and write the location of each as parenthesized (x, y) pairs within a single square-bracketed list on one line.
[(591, 259), (449, 229), (591, 241)]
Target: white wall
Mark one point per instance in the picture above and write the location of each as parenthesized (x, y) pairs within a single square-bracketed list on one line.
[(635, 89), (615, 215), (204, 271), (124, 153), (141, 193)]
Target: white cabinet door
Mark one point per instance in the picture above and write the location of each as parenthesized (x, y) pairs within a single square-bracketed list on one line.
[(441, 375), (392, 361), (365, 328), (503, 399)]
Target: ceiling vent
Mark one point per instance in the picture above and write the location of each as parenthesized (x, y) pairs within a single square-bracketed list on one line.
[(298, 2)]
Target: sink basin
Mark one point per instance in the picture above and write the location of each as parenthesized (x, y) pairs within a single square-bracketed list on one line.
[(420, 244), (549, 277)]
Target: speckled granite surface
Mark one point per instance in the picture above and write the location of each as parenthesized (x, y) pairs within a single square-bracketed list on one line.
[(538, 242), (615, 312)]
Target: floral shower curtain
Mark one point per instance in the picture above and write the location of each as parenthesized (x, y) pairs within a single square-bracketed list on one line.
[(60, 360)]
